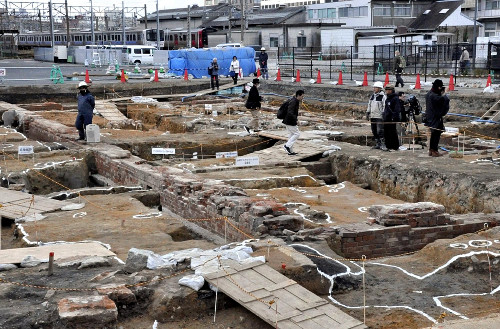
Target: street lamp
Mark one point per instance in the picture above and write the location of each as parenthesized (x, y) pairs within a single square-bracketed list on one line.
[(92, 22), (157, 26)]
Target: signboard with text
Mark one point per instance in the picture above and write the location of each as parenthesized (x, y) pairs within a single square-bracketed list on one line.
[(233, 154), (28, 149), (247, 161), (161, 150)]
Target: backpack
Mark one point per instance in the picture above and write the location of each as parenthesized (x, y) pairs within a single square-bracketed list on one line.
[(403, 62), (283, 110), (210, 70)]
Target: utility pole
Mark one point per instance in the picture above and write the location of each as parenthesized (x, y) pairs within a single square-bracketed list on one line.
[(92, 22), (123, 24), (157, 26), (145, 17), (40, 20), (68, 40), (230, 17), (242, 39), (475, 37), (189, 27), (52, 44)]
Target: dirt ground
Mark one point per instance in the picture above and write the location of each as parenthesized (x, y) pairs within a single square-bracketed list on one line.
[(110, 219)]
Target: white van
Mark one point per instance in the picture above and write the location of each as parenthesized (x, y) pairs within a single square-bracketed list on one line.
[(140, 54)]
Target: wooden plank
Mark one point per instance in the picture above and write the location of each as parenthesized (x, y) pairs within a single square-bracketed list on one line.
[(269, 273), (219, 274), (314, 312), (287, 324), (337, 314), (281, 285), (257, 280), (304, 294)]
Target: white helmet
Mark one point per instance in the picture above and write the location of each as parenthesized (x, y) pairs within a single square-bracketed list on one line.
[(82, 84), (262, 49), (378, 84)]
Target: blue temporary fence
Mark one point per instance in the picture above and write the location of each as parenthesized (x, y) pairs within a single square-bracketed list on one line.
[(197, 61)]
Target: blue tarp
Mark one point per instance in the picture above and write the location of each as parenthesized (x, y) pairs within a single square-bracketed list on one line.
[(197, 61)]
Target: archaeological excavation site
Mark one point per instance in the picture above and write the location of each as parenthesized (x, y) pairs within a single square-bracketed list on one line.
[(171, 215)]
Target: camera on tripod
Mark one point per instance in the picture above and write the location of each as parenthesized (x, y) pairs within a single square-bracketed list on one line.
[(413, 108)]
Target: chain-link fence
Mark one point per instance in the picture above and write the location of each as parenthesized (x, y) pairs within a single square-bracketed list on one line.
[(426, 60)]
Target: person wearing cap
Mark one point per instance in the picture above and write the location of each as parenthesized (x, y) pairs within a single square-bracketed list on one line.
[(374, 114), (437, 105), (253, 104), (214, 74), (86, 105), (392, 114), (263, 63)]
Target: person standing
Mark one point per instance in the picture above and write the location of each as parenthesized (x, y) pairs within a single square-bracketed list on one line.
[(392, 114), (234, 69), (399, 65), (214, 74), (437, 105), (253, 104), (263, 57), (374, 114), (290, 121), (86, 105), (464, 61)]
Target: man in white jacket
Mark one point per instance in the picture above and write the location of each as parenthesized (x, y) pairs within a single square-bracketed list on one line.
[(235, 69), (374, 114)]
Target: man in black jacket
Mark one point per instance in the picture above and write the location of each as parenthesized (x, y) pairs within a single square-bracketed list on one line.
[(291, 121), (392, 113), (437, 105), (253, 104)]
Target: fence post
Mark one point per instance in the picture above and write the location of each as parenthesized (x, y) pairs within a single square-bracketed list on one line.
[(330, 63), (351, 60), (437, 58), (374, 61), (415, 56), (278, 55), (293, 61), (425, 73), (311, 62)]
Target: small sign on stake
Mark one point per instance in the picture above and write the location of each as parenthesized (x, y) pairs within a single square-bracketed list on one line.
[(219, 155), (161, 150), (247, 161), (3, 72), (208, 108), (25, 150)]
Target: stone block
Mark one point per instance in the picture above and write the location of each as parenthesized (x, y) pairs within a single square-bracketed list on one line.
[(137, 260), (87, 312), (94, 262), (118, 293), (293, 223)]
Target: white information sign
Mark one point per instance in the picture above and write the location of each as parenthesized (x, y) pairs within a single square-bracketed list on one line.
[(208, 107), (3, 72), (160, 150), (451, 130), (233, 154), (214, 113), (247, 161), (28, 149)]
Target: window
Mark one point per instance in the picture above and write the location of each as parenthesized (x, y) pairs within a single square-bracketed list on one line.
[(137, 51), (382, 10), (146, 51), (344, 12), (332, 13), (274, 41), (427, 37), (310, 14), (490, 25), (403, 10), (322, 13), (492, 4), (301, 41)]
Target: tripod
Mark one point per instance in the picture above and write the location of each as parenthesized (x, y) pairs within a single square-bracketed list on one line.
[(412, 122)]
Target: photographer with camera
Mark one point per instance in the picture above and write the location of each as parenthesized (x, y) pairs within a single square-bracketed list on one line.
[(437, 105), (374, 114)]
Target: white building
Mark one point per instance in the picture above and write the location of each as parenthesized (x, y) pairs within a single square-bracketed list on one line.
[(351, 13), (267, 4)]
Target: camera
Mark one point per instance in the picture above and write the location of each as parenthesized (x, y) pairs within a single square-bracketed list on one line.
[(414, 107)]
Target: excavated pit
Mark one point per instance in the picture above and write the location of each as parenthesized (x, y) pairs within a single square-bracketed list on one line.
[(326, 196)]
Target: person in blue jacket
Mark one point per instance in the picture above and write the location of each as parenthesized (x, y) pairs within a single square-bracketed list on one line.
[(86, 105)]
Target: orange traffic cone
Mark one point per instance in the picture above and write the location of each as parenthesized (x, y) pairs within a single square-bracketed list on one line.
[(451, 85), (386, 82), (340, 82), (417, 83), (87, 78), (365, 80), (318, 80), (488, 82), (258, 72), (297, 79), (278, 76), (123, 80), (156, 76), (186, 75)]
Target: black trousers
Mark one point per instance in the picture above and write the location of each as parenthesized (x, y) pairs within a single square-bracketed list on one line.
[(235, 78), (399, 80), (377, 128), (391, 136), (434, 142)]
